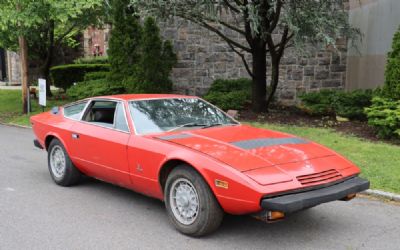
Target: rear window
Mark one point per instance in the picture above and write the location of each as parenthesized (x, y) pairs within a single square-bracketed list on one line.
[(74, 111)]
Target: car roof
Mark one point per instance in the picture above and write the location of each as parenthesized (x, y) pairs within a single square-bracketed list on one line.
[(132, 97)]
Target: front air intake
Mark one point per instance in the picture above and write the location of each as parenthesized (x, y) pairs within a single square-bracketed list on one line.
[(317, 178)]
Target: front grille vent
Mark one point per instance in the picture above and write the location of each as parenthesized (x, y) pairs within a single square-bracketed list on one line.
[(316, 178)]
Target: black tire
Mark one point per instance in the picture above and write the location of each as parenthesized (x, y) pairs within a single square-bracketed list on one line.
[(210, 214), (71, 175)]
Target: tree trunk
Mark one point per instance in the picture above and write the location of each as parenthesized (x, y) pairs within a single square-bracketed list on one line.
[(49, 60), (23, 47), (259, 88), (274, 80)]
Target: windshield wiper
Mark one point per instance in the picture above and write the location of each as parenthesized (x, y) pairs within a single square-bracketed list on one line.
[(219, 124), (187, 125)]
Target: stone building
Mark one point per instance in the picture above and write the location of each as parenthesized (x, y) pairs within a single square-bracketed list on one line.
[(378, 20), (95, 41), (204, 57), (10, 71)]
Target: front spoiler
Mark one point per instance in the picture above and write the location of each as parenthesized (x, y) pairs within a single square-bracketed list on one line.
[(37, 144), (294, 202)]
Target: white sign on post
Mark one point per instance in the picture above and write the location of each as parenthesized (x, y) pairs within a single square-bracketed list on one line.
[(42, 92)]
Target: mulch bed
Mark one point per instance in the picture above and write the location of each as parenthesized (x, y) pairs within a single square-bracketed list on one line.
[(294, 116)]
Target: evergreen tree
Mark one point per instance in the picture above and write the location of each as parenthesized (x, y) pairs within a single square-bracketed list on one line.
[(391, 88), (124, 44), (156, 61)]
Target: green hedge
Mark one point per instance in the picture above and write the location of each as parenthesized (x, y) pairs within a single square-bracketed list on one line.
[(92, 88), (92, 60), (65, 76), (384, 115), (333, 102), (96, 75), (230, 94)]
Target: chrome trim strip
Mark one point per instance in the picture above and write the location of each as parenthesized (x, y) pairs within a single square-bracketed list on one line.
[(173, 137), (267, 142)]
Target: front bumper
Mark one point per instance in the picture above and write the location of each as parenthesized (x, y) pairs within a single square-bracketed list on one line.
[(294, 202)]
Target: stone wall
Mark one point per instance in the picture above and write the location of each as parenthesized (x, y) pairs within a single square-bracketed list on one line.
[(204, 57)]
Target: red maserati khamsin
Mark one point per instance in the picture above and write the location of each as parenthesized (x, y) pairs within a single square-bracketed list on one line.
[(188, 153)]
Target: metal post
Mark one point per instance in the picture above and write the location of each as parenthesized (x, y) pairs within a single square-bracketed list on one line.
[(29, 100)]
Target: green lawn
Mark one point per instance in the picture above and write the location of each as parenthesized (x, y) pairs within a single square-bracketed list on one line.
[(379, 162), (11, 107)]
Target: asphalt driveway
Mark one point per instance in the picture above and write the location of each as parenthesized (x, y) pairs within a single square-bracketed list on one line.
[(37, 214)]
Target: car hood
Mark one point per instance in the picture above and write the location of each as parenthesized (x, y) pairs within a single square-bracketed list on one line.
[(261, 154)]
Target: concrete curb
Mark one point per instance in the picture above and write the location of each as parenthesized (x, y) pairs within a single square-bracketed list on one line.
[(15, 125), (382, 195)]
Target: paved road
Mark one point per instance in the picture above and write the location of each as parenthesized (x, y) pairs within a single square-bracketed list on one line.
[(37, 214)]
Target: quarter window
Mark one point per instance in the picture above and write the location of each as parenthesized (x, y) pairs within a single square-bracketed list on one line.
[(120, 120), (74, 111)]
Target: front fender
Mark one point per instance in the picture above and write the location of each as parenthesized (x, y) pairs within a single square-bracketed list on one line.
[(240, 195)]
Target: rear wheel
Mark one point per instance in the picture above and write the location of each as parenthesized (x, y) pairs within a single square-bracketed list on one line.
[(191, 205), (63, 172)]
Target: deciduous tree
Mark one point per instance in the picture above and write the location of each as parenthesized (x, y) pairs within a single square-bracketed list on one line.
[(268, 27), (46, 25)]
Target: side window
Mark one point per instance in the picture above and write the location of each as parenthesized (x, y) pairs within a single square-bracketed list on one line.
[(74, 111), (101, 112), (120, 120)]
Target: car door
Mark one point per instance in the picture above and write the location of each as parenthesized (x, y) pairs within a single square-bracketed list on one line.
[(99, 141)]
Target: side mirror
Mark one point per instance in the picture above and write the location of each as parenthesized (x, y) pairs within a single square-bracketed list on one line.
[(55, 110), (233, 113)]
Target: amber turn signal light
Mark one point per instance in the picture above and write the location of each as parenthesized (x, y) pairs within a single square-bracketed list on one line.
[(221, 184), (275, 215), (349, 197)]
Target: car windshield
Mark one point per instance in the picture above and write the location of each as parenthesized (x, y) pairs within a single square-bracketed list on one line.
[(159, 115)]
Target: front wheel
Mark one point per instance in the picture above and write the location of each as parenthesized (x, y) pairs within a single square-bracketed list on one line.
[(63, 172), (191, 205)]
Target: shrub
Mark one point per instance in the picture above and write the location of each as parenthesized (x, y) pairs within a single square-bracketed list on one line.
[(391, 88), (92, 60), (65, 76), (229, 94), (232, 100), (138, 86), (384, 115), (96, 75), (94, 88), (352, 104), (333, 102), (318, 103)]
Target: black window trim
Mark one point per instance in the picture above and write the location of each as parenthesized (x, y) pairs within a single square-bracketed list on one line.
[(86, 109)]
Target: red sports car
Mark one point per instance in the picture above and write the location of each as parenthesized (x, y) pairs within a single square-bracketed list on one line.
[(192, 155)]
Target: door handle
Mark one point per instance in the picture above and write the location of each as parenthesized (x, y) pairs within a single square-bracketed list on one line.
[(75, 136)]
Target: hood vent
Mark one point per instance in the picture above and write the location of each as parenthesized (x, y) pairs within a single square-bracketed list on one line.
[(316, 178)]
